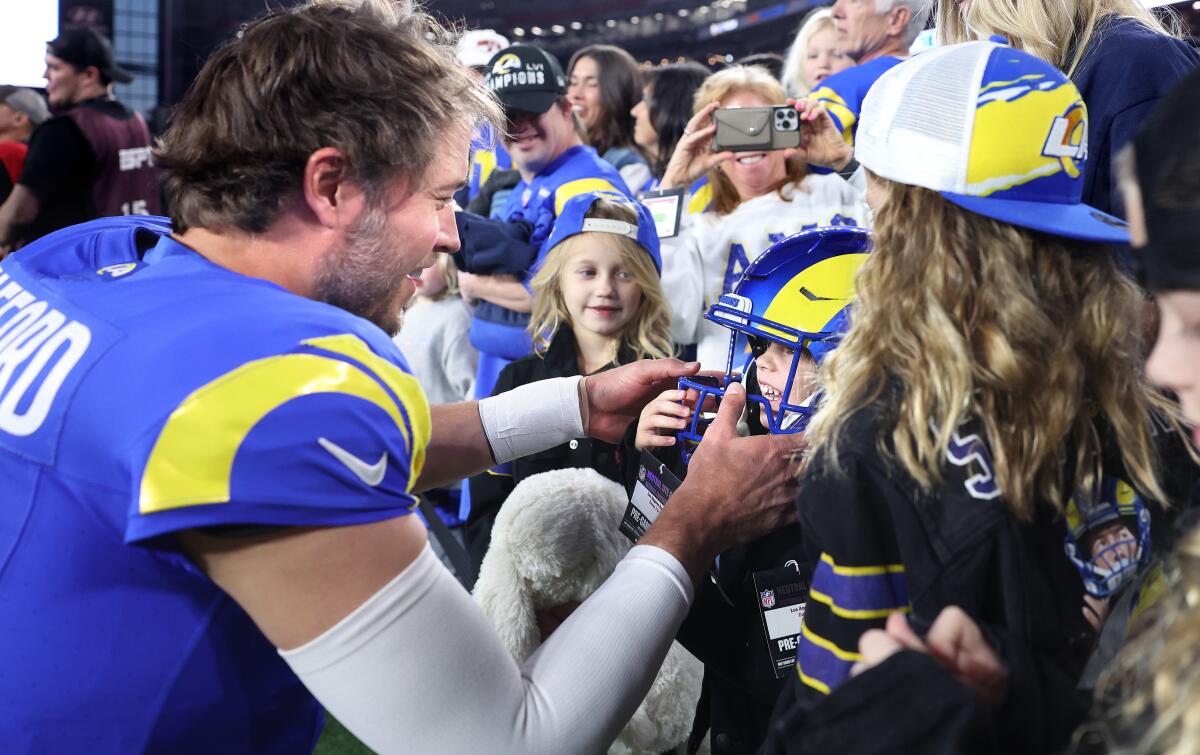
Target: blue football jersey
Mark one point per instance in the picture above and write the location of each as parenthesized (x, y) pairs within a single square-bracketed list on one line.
[(843, 93), (145, 390), (487, 155), (539, 201)]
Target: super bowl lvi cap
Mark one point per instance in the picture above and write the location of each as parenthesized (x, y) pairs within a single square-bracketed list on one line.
[(526, 78), (574, 220), (995, 130)]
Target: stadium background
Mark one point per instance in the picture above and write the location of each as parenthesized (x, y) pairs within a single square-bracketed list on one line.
[(165, 41)]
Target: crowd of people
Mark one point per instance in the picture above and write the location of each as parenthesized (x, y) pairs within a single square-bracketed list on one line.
[(917, 480)]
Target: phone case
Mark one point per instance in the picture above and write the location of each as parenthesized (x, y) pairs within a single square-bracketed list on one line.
[(751, 129)]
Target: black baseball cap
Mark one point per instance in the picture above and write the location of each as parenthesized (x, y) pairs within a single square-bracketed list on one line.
[(83, 46), (1166, 152), (526, 78)]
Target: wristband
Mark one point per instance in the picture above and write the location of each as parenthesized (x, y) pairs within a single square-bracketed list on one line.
[(532, 418)]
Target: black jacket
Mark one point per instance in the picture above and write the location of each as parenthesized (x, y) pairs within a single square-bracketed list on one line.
[(1011, 577), (724, 628), (490, 489), (886, 545)]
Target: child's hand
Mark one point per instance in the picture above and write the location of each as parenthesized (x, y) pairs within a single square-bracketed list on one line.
[(661, 419)]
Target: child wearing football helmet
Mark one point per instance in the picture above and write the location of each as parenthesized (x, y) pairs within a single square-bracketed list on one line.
[(785, 314), (597, 304), (783, 317)]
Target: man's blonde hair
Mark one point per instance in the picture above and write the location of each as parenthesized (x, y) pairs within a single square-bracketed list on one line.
[(1033, 336), (724, 84), (1057, 31), (378, 80), (648, 333)]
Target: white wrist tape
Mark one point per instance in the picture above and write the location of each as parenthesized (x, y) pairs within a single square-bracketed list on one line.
[(532, 418)]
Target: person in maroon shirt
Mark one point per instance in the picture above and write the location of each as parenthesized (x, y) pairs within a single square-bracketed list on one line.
[(92, 159)]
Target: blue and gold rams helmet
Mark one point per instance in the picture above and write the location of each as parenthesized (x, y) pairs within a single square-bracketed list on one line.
[(1108, 535), (797, 294)]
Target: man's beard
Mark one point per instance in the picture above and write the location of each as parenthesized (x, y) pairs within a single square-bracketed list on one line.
[(364, 275)]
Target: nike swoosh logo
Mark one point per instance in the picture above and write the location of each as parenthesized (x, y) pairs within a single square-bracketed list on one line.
[(813, 297), (371, 474)]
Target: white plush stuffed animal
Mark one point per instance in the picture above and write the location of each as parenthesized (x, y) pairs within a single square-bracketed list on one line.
[(555, 540)]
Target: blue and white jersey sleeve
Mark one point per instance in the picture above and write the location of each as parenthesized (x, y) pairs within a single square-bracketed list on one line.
[(330, 433), (843, 93)]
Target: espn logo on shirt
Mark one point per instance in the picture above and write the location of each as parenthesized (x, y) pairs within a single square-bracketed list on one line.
[(133, 158)]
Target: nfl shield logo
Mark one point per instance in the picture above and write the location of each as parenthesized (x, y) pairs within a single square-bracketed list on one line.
[(768, 598)]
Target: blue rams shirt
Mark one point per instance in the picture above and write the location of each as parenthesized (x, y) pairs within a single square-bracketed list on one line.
[(843, 93), (574, 172), (487, 155), (141, 397)]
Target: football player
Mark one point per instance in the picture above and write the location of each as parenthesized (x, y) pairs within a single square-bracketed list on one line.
[(209, 446)]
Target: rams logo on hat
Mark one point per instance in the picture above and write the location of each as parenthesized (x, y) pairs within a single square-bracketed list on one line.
[(1004, 159), (507, 62), (1067, 139)]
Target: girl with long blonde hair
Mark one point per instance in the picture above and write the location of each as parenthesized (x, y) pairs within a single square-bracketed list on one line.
[(597, 304), (991, 377)]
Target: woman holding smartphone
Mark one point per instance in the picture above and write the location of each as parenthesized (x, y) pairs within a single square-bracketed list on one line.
[(758, 199)]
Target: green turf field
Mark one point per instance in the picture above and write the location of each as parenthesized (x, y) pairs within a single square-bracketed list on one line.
[(335, 740)]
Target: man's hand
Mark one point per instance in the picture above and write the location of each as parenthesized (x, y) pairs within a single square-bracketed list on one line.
[(737, 489), (820, 141), (954, 640), (614, 398)]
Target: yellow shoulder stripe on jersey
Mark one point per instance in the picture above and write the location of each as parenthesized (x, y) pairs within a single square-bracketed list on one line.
[(486, 160), (1150, 591), (838, 108), (861, 571), (192, 458), (821, 642), (405, 386), (700, 200), (816, 684), (570, 189), (855, 613)]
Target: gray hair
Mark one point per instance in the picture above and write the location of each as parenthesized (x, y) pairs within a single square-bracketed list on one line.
[(920, 10)]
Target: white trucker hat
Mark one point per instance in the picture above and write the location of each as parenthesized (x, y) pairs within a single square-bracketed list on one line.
[(995, 130)]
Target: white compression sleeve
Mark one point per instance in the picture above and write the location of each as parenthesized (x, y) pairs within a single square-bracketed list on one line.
[(418, 669), (532, 418)]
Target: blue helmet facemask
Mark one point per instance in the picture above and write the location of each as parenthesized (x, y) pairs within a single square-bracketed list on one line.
[(765, 306)]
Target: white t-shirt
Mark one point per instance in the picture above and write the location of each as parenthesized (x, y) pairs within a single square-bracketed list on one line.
[(433, 339), (712, 251)]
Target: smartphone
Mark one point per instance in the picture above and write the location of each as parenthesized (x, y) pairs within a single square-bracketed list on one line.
[(756, 129)]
